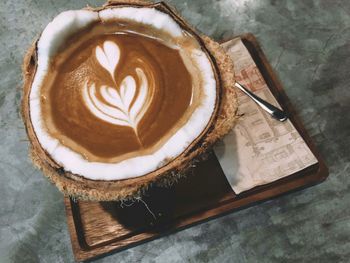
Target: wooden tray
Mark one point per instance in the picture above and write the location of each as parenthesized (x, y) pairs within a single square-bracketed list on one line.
[(97, 228)]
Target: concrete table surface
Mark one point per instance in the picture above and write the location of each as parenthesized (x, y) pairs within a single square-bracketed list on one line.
[(307, 43)]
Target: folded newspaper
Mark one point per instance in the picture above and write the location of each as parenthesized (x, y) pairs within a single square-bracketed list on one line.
[(259, 150)]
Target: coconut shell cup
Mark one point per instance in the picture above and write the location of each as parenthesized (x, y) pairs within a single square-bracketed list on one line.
[(221, 123)]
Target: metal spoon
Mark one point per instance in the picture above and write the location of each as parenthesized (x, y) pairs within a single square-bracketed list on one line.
[(270, 109)]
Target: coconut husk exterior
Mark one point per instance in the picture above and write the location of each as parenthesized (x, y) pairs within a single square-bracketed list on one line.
[(81, 188)]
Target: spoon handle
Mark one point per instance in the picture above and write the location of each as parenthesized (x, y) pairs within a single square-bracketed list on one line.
[(270, 109)]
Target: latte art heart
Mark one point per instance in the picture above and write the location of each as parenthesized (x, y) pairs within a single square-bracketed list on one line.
[(124, 105), (109, 56)]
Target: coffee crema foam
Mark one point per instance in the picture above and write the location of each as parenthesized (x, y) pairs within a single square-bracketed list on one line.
[(119, 93)]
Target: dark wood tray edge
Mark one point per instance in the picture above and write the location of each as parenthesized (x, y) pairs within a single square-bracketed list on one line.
[(201, 217)]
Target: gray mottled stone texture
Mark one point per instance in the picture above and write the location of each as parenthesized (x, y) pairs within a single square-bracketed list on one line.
[(308, 44)]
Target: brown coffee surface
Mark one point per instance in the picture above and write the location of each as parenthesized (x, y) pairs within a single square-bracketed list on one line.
[(168, 103)]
